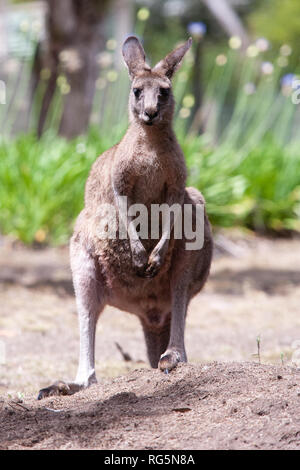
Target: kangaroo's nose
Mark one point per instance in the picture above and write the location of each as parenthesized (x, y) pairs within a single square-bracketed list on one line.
[(151, 114)]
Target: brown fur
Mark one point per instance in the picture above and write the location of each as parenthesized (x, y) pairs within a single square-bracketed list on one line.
[(153, 279)]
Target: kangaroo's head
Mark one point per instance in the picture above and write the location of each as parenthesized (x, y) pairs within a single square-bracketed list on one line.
[(151, 100)]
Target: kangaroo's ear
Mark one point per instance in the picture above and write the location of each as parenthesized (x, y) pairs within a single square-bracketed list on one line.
[(134, 55), (172, 61)]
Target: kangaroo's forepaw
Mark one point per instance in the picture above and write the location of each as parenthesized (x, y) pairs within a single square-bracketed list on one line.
[(148, 271), (152, 270), (141, 271), (170, 359), (139, 261), (58, 388), (154, 264)]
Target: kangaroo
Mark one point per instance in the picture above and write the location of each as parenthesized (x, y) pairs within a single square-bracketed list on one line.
[(153, 278)]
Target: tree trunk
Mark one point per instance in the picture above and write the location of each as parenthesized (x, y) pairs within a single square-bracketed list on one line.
[(52, 64), (74, 29), (78, 102)]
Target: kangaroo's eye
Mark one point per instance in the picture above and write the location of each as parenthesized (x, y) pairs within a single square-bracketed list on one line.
[(164, 92), (137, 92)]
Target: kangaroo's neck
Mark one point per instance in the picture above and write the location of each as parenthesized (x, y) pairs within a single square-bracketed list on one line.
[(155, 135)]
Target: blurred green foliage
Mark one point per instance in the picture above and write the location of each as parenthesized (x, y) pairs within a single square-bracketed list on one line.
[(42, 183), (246, 161), (279, 21)]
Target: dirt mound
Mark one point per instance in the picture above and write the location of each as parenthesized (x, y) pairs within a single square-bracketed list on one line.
[(229, 404), (213, 406)]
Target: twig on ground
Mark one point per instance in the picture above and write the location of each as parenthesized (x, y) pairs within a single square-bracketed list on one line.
[(53, 411), (258, 349), (125, 355), (11, 403)]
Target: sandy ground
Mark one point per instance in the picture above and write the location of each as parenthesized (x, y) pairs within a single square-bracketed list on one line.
[(223, 399)]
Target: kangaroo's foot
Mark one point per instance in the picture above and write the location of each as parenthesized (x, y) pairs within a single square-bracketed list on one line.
[(170, 359), (59, 388)]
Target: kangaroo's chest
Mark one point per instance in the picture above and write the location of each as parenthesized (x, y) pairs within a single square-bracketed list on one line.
[(146, 171), (150, 180)]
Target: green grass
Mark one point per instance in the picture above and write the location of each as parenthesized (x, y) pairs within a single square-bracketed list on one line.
[(42, 184)]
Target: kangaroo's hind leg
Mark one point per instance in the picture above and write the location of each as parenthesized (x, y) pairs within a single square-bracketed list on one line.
[(175, 351), (157, 340), (90, 302), (189, 273)]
